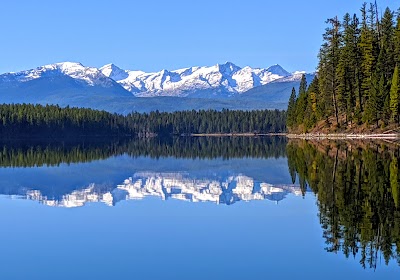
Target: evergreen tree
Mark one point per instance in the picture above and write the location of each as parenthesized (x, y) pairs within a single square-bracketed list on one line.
[(348, 67), (386, 61), (372, 105), (367, 54), (357, 85), (329, 59), (313, 110), (52, 121), (394, 96), (303, 85), (301, 103), (397, 40), (291, 109)]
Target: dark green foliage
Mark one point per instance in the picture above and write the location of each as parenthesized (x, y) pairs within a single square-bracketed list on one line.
[(397, 40), (357, 81), (25, 120), (395, 96), (52, 153), (302, 100), (358, 196), (208, 121), (291, 114)]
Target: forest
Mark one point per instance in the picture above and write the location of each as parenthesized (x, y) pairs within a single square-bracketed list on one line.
[(27, 120), (358, 190), (356, 87)]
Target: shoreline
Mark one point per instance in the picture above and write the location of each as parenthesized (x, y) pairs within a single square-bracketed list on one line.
[(344, 136), (234, 134), (304, 136)]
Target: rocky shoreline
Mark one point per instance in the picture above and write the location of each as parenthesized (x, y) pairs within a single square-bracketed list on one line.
[(344, 136)]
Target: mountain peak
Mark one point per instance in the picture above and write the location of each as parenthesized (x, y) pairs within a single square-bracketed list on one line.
[(278, 70), (114, 72), (68, 64), (228, 68)]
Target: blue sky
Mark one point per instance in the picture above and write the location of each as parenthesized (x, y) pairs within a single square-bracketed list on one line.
[(169, 34)]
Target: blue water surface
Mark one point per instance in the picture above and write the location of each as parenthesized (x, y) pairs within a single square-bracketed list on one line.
[(276, 236)]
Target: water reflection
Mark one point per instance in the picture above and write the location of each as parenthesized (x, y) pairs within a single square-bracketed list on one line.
[(356, 183), (357, 188), (48, 153), (180, 186)]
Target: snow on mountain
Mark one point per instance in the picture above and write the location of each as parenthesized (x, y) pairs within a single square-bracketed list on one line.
[(295, 76), (114, 72), (88, 75), (113, 89), (228, 78)]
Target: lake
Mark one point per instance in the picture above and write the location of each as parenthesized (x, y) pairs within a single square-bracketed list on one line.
[(199, 208)]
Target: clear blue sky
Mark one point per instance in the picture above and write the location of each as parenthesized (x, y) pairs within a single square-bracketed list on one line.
[(169, 34)]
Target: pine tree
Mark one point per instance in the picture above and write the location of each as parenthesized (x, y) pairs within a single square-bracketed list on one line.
[(303, 85), (358, 81), (291, 117), (312, 104), (301, 103), (386, 62), (397, 40), (329, 59), (394, 96), (348, 67), (371, 108), (367, 53), (383, 98)]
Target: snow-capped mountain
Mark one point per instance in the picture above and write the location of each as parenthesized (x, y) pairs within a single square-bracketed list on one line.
[(88, 75), (66, 83), (178, 186), (113, 89), (221, 78)]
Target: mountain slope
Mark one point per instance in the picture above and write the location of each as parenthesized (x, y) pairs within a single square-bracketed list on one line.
[(277, 91), (116, 90), (57, 82), (219, 80)]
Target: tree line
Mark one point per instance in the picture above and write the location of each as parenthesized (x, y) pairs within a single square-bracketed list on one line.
[(358, 193), (51, 120), (357, 81)]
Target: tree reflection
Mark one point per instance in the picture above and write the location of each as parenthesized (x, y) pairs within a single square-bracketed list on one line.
[(357, 189), (53, 153)]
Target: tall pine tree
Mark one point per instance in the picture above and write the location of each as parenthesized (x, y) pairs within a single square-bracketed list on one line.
[(291, 111), (394, 96)]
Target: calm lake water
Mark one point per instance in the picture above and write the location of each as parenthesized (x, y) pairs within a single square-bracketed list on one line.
[(199, 208)]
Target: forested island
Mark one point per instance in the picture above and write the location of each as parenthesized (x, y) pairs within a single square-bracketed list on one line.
[(51, 121), (356, 88)]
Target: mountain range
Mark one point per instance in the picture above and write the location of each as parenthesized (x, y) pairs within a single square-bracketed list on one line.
[(114, 89)]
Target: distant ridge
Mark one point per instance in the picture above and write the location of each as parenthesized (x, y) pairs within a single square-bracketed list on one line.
[(226, 79), (114, 89)]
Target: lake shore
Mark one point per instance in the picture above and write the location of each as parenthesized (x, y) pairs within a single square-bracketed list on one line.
[(234, 134), (344, 136), (305, 135)]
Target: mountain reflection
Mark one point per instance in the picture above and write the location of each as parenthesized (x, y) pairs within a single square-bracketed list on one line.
[(357, 188), (179, 186), (356, 183)]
